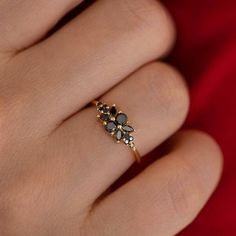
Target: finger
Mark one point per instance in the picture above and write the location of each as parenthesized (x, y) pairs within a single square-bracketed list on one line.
[(24, 22), (156, 101), (91, 54), (165, 197)]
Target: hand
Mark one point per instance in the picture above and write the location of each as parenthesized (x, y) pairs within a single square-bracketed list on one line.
[(57, 162)]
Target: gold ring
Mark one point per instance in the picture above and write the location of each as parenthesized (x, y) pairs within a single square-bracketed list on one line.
[(117, 125)]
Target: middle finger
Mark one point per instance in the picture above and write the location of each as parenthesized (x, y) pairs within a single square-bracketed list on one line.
[(95, 51)]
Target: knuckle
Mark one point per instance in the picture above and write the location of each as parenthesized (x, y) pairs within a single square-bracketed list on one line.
[(210, 150), (184, 192), (151, 18), (146, 11), (167, 86)]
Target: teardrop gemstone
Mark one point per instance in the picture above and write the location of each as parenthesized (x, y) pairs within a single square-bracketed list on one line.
[(128, 128), (113, 111), (119, 135)]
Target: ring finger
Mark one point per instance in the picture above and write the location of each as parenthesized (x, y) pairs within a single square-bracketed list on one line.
[(155, 99)]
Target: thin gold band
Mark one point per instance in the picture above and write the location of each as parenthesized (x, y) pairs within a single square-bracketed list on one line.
[(136, 154), (116, 123)]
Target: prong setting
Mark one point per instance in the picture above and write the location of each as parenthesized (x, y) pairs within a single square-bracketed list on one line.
[(116, 123)]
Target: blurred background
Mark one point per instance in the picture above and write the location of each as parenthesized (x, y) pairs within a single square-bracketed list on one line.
[(205, 53)]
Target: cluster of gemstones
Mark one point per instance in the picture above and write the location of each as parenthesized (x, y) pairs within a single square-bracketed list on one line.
[(116, 123)]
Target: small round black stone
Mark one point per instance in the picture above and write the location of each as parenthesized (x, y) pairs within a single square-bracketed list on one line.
[(99, 104), (128, 138), (104, 117), (121, 118), (110, 126)]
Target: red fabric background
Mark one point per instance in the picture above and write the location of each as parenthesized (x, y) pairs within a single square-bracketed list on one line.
[(206, 55)]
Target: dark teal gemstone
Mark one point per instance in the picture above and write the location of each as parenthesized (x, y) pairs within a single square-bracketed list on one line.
[(128, 128), (119, 135), (104, 117), (121, 118), (110, 126)]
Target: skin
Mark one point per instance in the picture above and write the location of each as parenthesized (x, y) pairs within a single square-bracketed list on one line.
[(56, 161)]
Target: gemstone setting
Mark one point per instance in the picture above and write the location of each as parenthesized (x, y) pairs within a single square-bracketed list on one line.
[(113, 110), (104, 108), (121, 118), (110, 126), (128, 128), (104, 117), (119, 135), (128, 138), (115, 123)]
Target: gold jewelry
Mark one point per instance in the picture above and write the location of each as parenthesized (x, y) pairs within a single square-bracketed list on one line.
[(117, 125)]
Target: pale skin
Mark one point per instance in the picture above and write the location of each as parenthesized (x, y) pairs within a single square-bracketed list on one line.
[(56, 159)]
